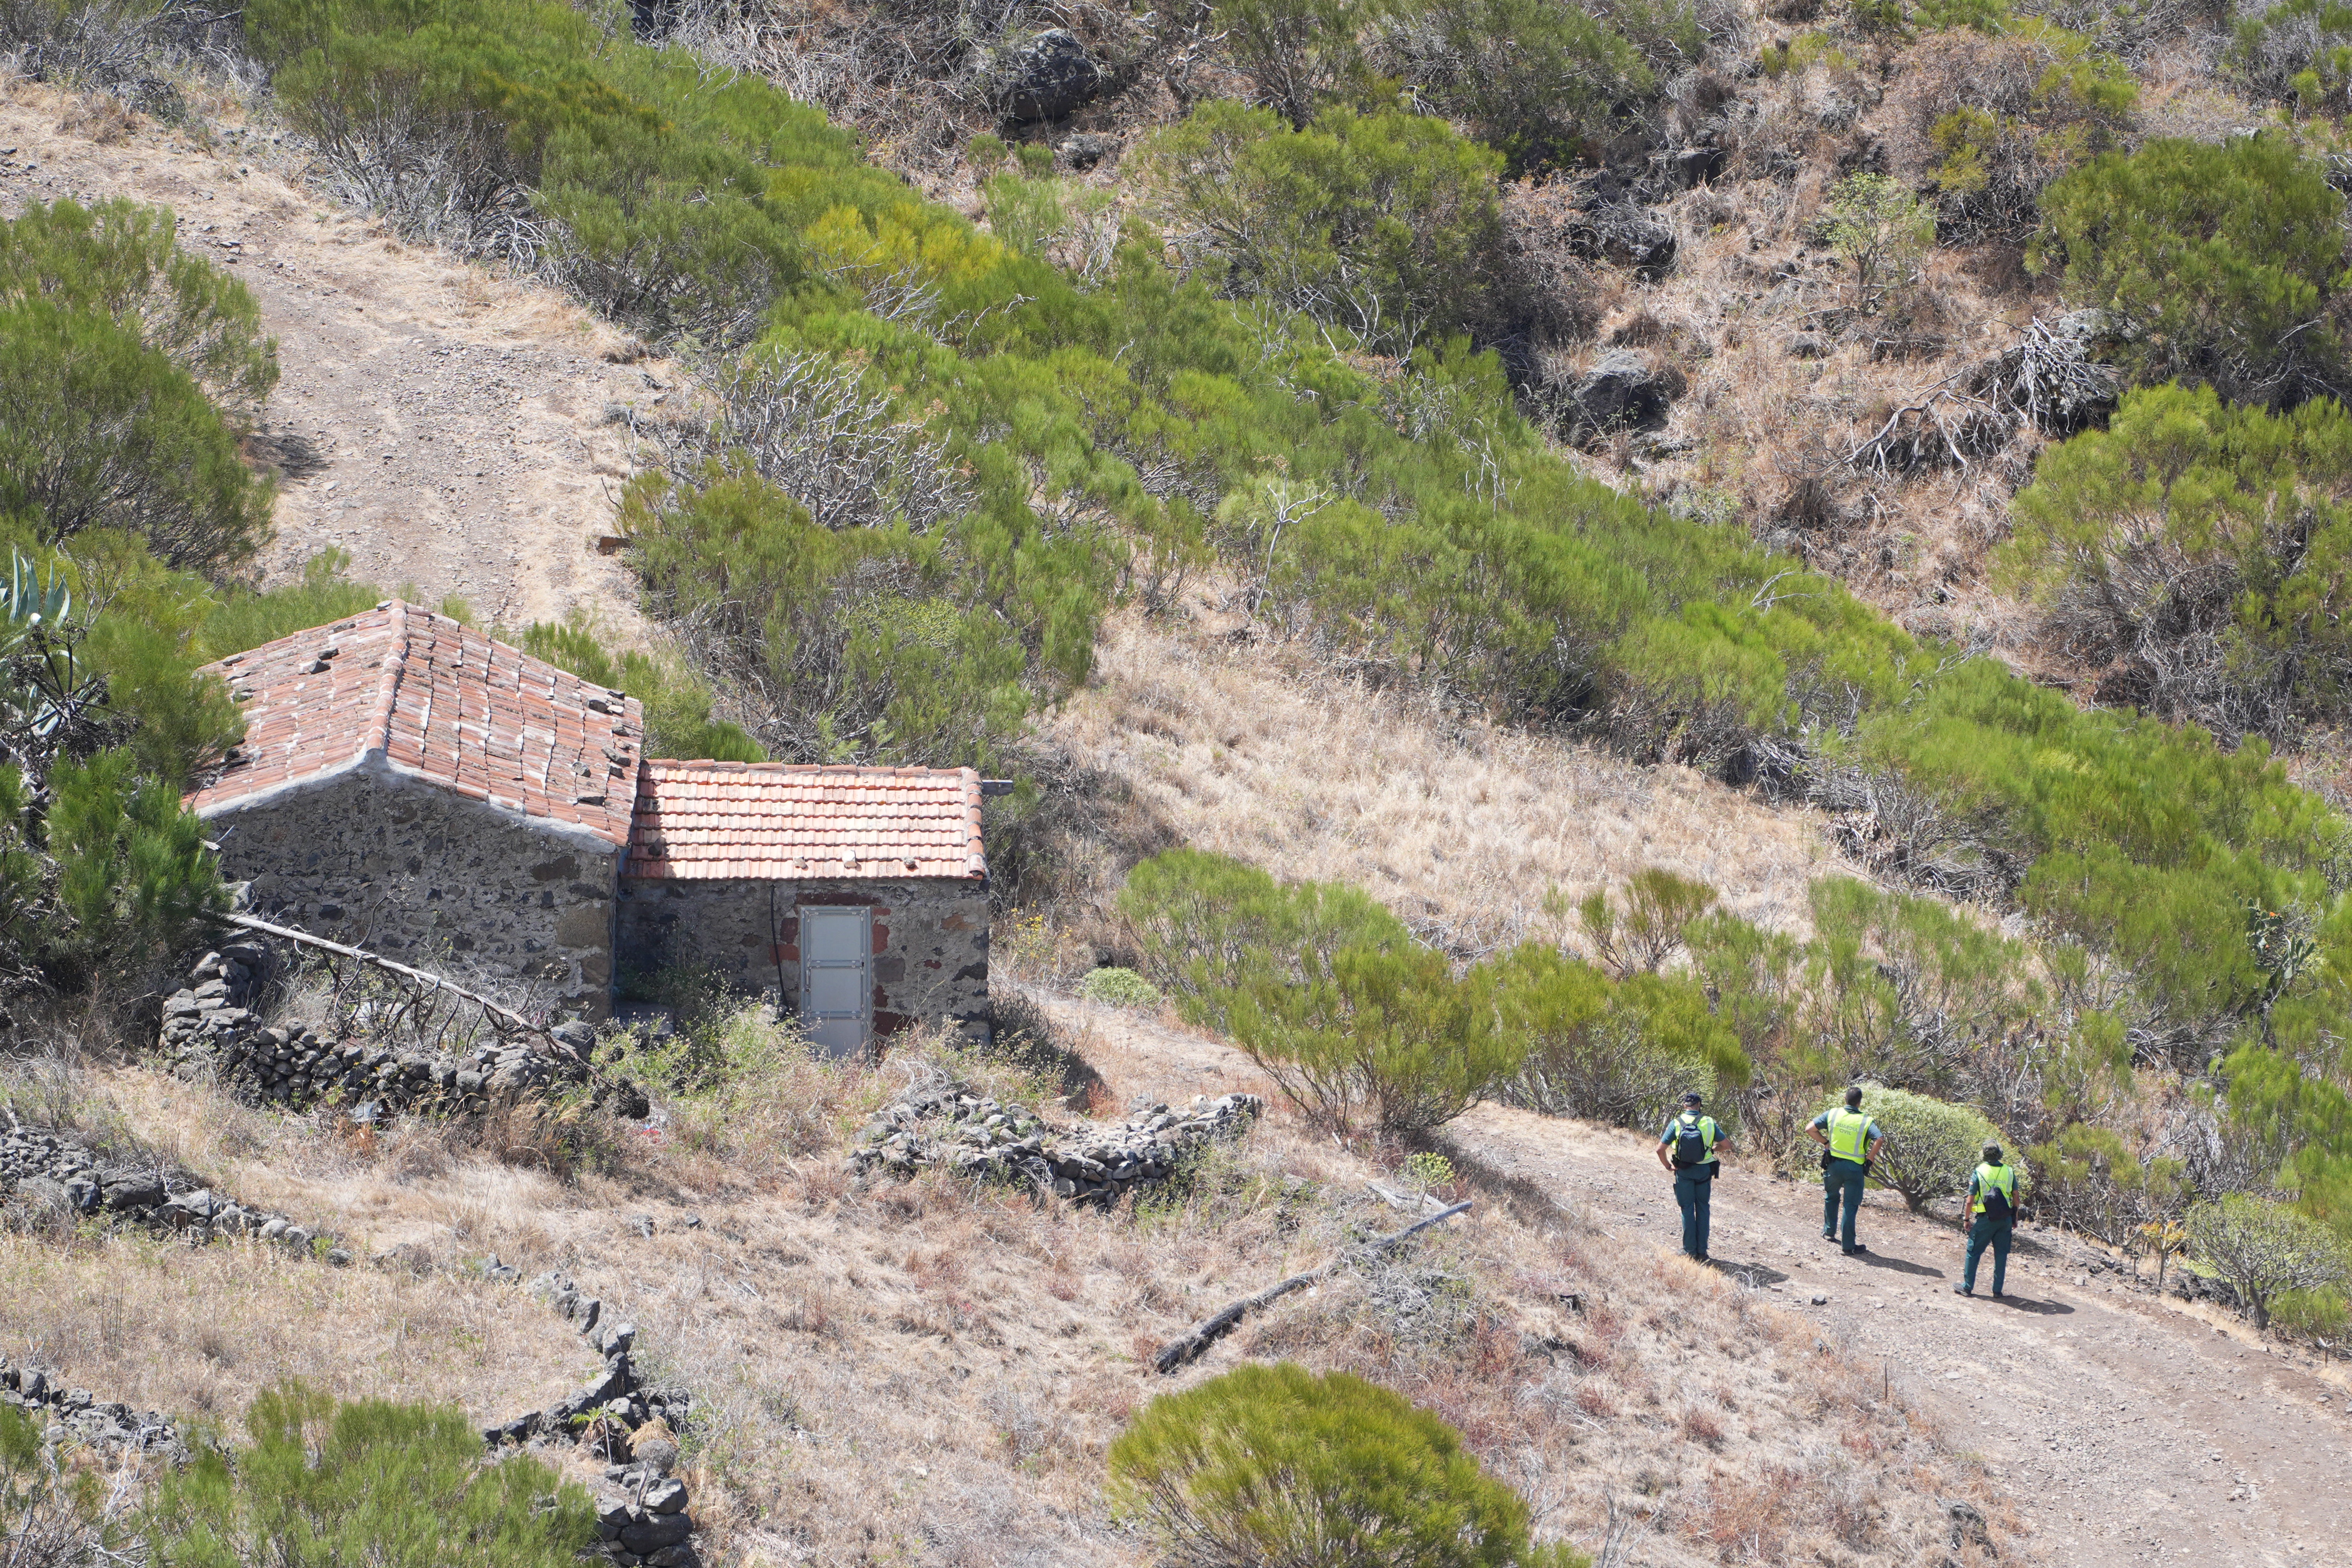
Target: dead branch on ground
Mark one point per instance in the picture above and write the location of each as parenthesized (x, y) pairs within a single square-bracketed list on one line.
[(1187, 1348)]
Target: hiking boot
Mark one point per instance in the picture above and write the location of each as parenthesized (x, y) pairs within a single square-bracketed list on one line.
[(1850, 1251), (1964, 1290)]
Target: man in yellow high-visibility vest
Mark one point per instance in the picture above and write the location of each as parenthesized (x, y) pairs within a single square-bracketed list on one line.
[(1992, 1220), (1851, 1136)]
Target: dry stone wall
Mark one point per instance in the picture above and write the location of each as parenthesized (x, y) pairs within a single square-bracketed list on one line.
[(46, 1169), (640, 1509), (214, 1023), (1091, 1163), (83, 1416), (429, 876), (930, 939)]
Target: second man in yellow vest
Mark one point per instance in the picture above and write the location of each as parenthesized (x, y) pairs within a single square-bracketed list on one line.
[(1850, 1137)]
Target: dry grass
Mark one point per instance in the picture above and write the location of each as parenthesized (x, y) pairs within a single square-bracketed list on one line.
[(932, 1372), (198, 1332), (1459, 825)]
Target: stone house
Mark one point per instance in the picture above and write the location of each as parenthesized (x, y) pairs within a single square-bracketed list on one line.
[(413, 785)]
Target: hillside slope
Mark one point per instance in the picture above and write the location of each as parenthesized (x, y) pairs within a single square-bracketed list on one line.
[(2118, 1425), (448, 429)]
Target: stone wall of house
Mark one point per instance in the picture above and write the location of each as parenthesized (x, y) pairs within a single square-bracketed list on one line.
[(930, 939), (427, 876)]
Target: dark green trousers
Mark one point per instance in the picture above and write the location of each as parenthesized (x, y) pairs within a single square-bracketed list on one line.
[(1842, 1180), (1983, 1232)]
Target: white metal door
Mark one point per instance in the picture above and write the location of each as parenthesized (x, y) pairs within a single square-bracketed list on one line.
[(837, 984)]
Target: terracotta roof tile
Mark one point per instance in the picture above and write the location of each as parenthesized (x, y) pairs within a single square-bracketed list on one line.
[(699, 820), (437, 701)]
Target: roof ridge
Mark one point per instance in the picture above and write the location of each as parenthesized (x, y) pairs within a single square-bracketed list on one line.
[(395, 665)]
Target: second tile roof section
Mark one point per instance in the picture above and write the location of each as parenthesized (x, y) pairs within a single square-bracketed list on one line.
[(704, 820)]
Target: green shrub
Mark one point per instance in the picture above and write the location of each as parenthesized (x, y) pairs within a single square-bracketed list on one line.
[(1363, 1037), (1211, 925), (2265, 1248), (121, 261), (2321, 1314), (1274, 1464), (1930, 1147), (244, 618), (1385, 224), (55, 1514), (1114, 988), (2296, 49), (1541, 83), (1297, 52), (2088, 1179), (2202, 547), (133, 868), (1882, 231), (365, 1482), (2211, 261), (1623, 1053), (99, 431), (1648, 931)]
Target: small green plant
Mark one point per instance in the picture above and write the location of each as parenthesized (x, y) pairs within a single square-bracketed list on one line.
[(1881, 229), (1429, 1169), (368, 1482), (1274, 1464), (1114, 988), (1640, 933)]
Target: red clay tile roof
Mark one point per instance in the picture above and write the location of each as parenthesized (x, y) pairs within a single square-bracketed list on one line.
[(401, 688), (788, 821)]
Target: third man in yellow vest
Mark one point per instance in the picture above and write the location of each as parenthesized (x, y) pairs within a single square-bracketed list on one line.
[(1992, 1220)]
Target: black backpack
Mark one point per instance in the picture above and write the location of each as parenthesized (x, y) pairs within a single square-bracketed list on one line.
[(1690, 1143)]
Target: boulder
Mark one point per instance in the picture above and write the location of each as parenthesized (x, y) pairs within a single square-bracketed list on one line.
[(132, 1191), (1623, 234), (1047, 76), (664, 1530), (1625, 388)]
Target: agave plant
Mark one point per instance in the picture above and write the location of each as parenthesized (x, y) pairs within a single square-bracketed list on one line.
[(44, 687)]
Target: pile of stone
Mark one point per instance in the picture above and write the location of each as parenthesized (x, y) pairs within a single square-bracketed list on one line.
[(1092, 1162), (641, 1518), (42, 1161), (80, 1415), (214, 1024), (616, 1395), (641, 1515)]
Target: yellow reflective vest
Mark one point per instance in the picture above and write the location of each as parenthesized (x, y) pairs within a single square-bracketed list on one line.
[(1849, 1135), (2002, 1179)]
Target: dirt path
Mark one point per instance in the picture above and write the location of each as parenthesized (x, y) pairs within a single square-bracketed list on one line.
[(450, 429), (2128, 1429)]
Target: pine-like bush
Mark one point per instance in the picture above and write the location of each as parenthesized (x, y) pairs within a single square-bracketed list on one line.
[(1274, 1464), (365, 1484), (2212, 261)]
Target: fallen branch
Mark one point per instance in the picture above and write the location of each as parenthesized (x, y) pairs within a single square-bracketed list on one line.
[(507, 1016), (1176, 1352)]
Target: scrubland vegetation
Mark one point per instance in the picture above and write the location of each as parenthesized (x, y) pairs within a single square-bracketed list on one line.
[(2039, 620)]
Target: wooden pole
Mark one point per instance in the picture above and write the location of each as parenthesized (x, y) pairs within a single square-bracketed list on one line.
[(507, 1016), (1176, 1352)]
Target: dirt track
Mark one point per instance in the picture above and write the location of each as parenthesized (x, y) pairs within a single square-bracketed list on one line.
[(448, 428), (2129, 1429)]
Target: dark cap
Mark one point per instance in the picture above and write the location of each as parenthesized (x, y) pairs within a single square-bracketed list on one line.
[(1692, 1098)]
